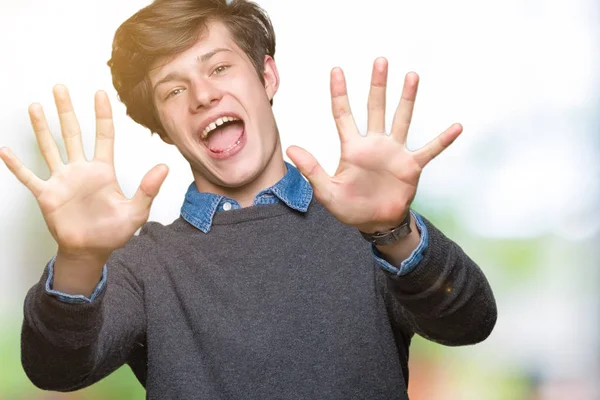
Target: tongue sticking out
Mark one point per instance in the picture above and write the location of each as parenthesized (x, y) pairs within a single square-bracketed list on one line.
[(225, 137)]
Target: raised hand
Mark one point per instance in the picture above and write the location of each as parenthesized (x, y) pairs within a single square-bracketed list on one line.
[(377, 177), (82, 203)]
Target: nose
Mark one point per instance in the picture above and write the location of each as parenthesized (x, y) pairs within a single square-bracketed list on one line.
[(204, 95)]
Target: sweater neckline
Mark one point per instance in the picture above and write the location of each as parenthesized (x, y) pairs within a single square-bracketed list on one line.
[(251, 213)]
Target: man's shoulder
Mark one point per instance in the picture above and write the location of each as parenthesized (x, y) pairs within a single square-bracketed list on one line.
[(149, 240), (153, 230), (333, 233), (326, 220)]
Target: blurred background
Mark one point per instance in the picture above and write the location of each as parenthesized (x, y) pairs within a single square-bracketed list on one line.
[(519, 190)]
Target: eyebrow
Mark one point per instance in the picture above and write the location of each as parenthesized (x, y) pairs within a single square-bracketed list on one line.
[(176, 76)]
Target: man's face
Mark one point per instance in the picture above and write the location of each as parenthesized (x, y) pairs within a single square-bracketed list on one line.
[(216, 110)]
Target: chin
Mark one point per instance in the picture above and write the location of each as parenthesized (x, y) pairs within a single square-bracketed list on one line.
[(238, 173), (246, 171)]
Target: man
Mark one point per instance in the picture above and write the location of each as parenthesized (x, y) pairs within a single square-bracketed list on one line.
[(265, 287)]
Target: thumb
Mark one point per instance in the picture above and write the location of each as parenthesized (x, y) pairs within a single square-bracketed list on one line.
[(150, 186), (312, 170)]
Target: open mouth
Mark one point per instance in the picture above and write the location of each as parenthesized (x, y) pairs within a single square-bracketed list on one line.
[(224, 137)]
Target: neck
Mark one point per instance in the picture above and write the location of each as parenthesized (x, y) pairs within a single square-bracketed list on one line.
[(272, 173)]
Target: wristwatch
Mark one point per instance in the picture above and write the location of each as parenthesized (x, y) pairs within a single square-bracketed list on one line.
[(389, 237)]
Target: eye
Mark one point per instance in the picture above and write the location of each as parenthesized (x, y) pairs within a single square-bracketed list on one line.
[(220, 69), (174, 92)]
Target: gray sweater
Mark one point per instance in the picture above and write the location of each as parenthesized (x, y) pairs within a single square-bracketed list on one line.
[(271, 304)]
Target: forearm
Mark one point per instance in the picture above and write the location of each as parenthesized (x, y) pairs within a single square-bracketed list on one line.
[(68, 346), (446, 297), (59, 340)]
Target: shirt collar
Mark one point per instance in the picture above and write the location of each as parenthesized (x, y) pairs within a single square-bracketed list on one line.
[(293, 190)]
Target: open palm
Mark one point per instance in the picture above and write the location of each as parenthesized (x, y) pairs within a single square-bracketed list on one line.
[(377, 177), (82, 203)]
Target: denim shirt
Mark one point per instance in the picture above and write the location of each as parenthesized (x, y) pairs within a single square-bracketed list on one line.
[(293, 190)]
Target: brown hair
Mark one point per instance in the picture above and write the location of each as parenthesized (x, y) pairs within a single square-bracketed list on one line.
[(168, 27)]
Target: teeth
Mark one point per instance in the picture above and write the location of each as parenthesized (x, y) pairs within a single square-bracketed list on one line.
[(218, 122), (232, 146)]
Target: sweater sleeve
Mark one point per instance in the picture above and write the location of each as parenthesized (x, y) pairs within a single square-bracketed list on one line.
[(69, 346), (446, 298)]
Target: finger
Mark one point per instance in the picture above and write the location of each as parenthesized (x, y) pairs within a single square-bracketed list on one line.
[(105, 129), (340, 106), (404, 112), (23, 174), (44, 138), (149, 187), (312, 170), (376, 104), (71, 131), (427, 153)]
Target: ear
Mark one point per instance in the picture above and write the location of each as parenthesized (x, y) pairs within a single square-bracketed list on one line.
[(270, 77)]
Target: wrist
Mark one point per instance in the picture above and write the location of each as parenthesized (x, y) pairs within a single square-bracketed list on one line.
[(398, 251), (387, 236), (384, 226), (81, 256), (77, 274)]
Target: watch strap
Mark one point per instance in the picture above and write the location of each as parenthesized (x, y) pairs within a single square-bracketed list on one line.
[(389, 237)]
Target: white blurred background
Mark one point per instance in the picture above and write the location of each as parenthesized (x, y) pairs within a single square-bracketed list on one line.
[(519, 190)]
